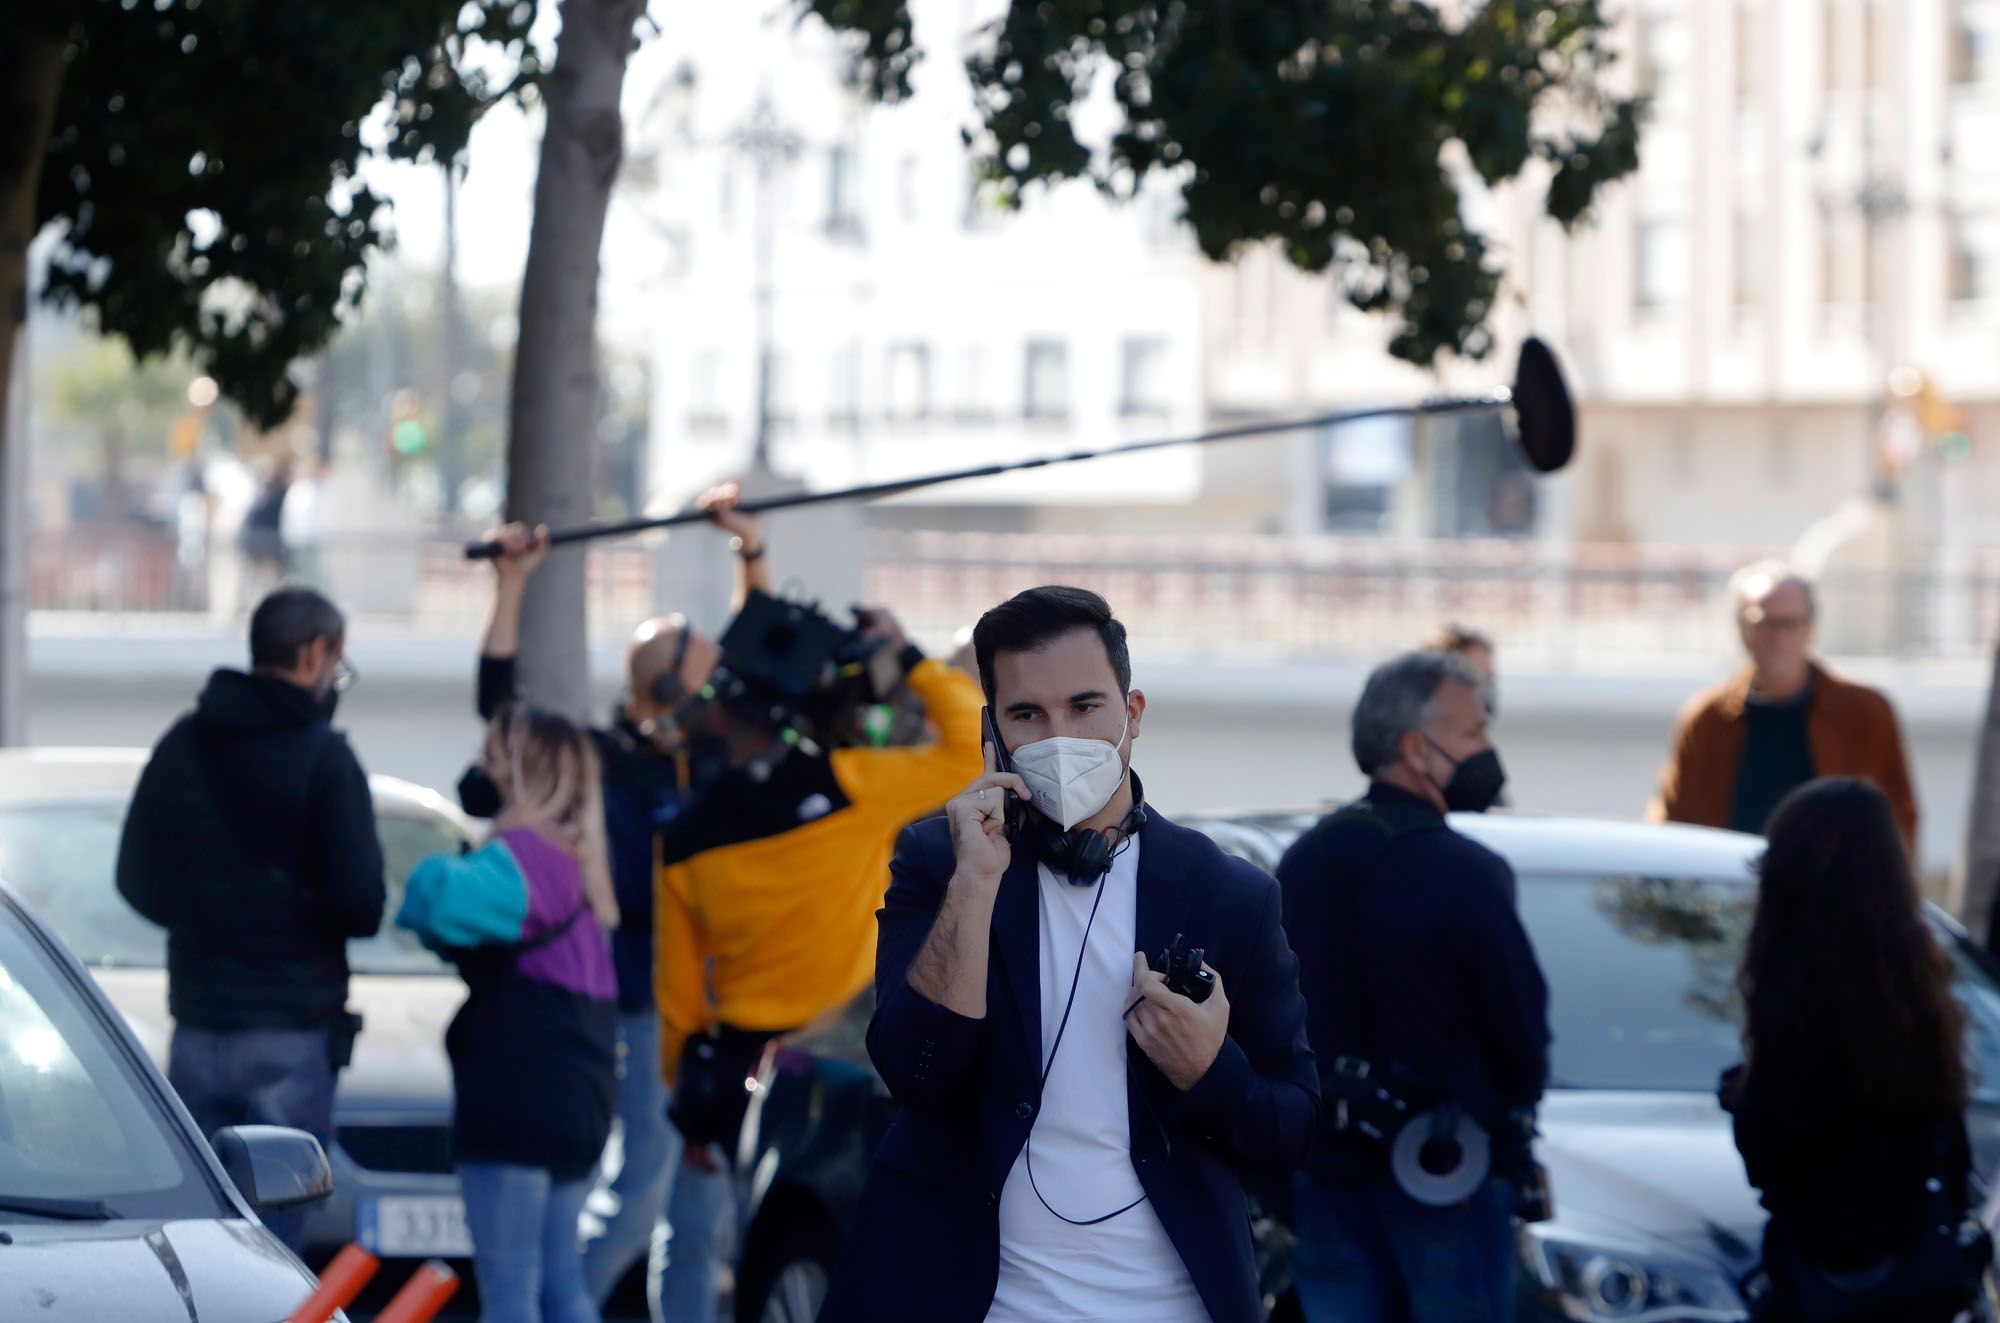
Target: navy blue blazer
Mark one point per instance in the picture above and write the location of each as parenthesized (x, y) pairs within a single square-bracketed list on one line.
[(926, 1245)]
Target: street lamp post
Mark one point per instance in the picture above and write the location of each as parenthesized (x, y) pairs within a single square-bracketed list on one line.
[(769, 144)]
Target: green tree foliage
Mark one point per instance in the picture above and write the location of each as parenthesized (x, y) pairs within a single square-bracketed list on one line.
[(201, 173), (1320, 125)]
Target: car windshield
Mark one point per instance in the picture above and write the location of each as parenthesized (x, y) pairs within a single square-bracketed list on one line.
[(62, 859), (78, 1122), (1641, 977)]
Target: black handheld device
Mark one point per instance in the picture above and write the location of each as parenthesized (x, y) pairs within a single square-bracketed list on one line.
[(1182, 966), (1015, 809)]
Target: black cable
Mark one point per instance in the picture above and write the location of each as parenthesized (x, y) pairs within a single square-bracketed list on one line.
[(1075, 978)]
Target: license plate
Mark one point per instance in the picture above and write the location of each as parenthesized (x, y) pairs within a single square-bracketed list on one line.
[(412, 1227)]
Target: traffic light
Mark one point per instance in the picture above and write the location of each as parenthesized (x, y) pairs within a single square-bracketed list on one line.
[(408, 435), (1941, 424)]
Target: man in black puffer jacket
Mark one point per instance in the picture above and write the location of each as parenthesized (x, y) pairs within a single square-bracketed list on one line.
[(251, 840)]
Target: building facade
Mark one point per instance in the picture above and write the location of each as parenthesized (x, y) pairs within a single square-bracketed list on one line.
[(1818, 206)]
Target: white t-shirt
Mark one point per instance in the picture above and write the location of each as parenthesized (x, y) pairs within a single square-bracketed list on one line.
[(1125, 1268)]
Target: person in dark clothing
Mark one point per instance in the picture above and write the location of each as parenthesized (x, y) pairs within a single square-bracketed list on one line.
[(1850, 1101), (1021, 1022), (251, 840), (534, 1048), (1413, 959), (262, 539), (649, 772)]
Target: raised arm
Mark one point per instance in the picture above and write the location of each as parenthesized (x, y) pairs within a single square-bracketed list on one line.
[(753, 571), (521, 553), (900, 784), (931, 955)]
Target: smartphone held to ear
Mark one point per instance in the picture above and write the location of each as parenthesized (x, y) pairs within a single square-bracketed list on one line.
[(1002, 763)]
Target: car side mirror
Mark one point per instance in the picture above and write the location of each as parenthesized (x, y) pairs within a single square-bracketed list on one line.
[(275, 1168)]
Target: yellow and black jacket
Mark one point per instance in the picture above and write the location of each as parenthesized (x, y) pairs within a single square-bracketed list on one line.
[(766, 893)]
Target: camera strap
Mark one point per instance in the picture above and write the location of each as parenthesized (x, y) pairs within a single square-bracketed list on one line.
[(1387, 829)]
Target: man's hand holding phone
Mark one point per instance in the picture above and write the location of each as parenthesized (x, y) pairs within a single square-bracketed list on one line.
[(979, 822)]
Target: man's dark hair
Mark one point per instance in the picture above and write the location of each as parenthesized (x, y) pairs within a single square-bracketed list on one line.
[(286, 622), (1030, 621)]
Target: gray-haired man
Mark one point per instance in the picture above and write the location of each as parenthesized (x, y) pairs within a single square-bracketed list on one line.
[(1416, 970)]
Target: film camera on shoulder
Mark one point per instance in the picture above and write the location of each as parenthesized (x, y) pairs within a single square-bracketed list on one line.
[(790, 667)]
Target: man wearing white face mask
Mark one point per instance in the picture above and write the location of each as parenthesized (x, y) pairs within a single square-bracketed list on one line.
[(1074, 1126)]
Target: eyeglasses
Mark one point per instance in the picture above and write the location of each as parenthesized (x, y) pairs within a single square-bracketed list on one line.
[(344, 676), (1779, 624)]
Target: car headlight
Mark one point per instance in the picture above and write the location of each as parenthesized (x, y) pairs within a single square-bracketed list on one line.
[(1600, 1281)]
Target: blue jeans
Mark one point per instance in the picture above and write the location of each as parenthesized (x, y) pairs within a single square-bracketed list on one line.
[(257, 1077), (701, 1228), (524, 1250), (1375, 1255), (648, 1151)]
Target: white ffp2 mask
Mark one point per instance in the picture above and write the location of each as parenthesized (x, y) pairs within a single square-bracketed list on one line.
[(1070, 778)]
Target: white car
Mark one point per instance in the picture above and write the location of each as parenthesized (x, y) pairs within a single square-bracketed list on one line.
[(61, 814)]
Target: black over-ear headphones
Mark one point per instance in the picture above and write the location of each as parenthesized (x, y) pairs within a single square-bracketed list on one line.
[(1084, 855)]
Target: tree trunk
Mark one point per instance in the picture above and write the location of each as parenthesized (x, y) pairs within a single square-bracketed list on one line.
[(31, 69), (552, 431), (1982, 842)]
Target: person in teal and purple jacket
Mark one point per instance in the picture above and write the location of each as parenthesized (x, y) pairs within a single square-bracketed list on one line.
[(533, 1050)]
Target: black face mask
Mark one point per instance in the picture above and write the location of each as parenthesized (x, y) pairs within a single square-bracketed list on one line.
[(1475, 783), (478, 793)]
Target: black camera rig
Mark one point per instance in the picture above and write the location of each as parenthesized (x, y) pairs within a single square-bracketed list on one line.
[(788, 665)]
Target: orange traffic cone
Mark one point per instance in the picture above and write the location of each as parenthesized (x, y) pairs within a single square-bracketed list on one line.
[(343, 1279)]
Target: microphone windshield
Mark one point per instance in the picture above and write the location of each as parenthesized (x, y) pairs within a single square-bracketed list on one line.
[(1544, 418)]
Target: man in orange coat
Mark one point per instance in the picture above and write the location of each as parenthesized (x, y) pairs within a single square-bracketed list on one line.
[(1745, 744)]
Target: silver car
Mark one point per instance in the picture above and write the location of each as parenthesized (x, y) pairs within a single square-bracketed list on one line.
[(61, 812)]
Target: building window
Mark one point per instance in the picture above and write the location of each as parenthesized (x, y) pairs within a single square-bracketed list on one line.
[(909, 393), (1975, 258), (843, 193), (972, 385), (1975, 37), (1144, 390), (1660, 266), (704, 392), (1046, 397), (843, 386)]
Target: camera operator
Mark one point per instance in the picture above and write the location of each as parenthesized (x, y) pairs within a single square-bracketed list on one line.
[(1043, 1164), (1429, 1019), (649, 768), (767, 889)]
